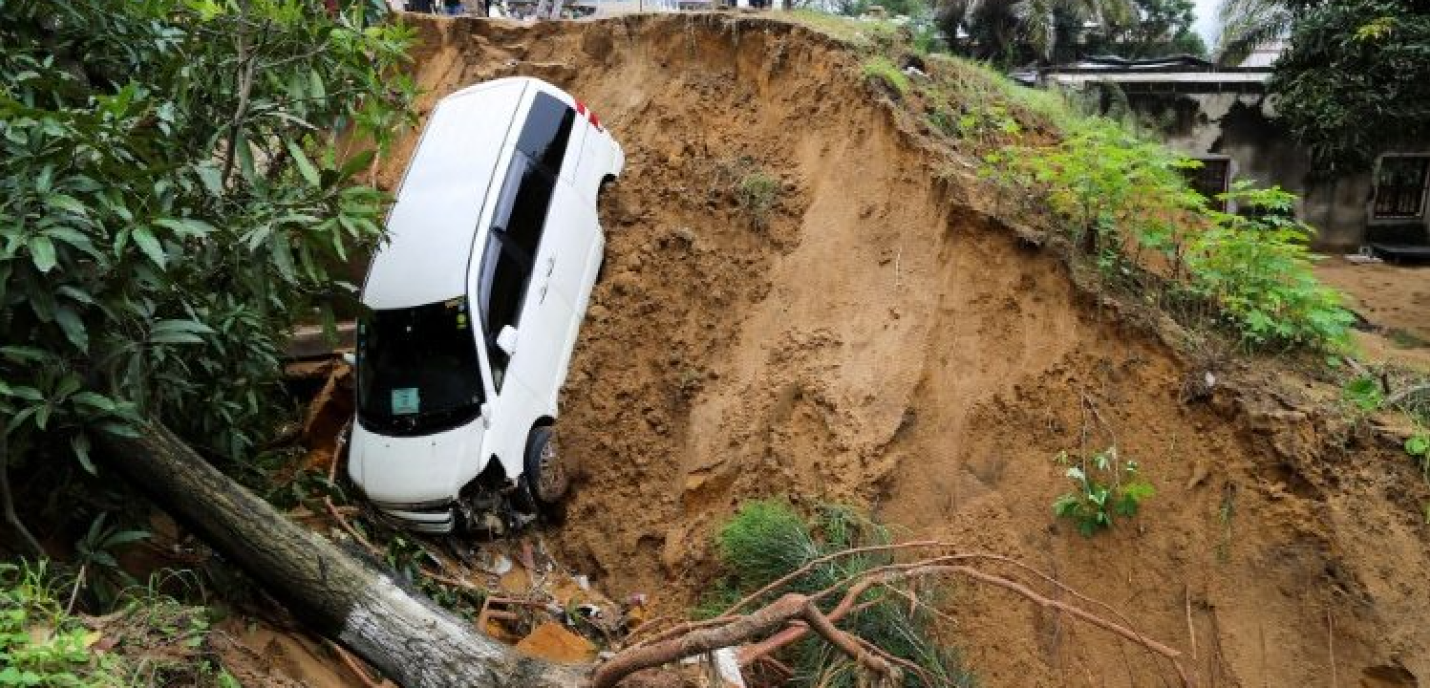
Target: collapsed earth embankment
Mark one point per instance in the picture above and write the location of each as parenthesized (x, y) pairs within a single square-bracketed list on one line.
[(865, 331)]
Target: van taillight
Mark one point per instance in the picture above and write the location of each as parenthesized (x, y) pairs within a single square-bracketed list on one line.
[(590, 115)]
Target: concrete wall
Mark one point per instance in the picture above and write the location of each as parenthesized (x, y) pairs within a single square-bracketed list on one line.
[(1238, 126)]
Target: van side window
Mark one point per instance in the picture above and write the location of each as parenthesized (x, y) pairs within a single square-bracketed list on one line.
[(502, 286), (518, 222), (521, 215), (546, 132)]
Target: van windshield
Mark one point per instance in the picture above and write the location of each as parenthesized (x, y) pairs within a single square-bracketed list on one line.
[(417, 369)]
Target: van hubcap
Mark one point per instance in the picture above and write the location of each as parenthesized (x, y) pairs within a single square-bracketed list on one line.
[(551, 484)]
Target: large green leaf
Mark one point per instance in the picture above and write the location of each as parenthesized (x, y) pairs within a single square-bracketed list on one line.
[(73, 327), (149, 244), (79, 444), (42, 253), (178, 332), (186, 226), (305, 166)]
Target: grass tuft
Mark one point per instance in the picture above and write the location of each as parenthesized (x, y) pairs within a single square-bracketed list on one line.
[(757, 193), (767, 540), (882, 69)]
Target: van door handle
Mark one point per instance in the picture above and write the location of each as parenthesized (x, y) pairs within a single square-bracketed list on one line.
[(550, 265)]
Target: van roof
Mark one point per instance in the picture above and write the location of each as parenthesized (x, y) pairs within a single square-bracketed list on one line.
[(432, 227)]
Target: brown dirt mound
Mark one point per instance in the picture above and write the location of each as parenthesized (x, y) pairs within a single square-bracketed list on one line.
[(880, 342)]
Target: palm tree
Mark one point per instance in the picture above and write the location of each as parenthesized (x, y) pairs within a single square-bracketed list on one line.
[(1008, 30), (1249, 24)]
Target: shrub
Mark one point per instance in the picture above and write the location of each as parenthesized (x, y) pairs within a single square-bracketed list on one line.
[(765, 540), (1125, 201), (1257, 268)]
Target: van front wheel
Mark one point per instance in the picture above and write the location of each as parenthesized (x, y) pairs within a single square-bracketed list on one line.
[(546, 476)]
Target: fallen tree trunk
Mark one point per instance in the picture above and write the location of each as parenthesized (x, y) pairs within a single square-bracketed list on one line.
[(407, 637)]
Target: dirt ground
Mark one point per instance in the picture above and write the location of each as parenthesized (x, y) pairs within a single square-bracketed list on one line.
[(258, 655), (1394, 300), (879, 341)]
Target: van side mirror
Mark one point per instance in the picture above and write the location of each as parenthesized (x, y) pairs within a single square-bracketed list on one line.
[(506, 340)]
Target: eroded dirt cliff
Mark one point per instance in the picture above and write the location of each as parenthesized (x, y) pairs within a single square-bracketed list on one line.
[(881, 341)]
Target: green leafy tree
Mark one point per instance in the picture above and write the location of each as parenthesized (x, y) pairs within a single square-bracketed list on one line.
[(172, 200), (1159, 27), (1355, 80)]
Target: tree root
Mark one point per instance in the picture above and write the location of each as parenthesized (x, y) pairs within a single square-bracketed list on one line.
[(793, 617)]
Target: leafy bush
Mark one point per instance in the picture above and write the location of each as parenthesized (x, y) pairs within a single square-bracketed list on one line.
[(1105, 487), (1256, 266), (1116, 191), (1128, 206), (172, 201), (767, 540)]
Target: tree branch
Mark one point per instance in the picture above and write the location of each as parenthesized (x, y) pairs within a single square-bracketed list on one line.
[(7, 501)]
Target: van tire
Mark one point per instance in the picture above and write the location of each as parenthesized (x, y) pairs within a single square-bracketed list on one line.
[(546, 477)]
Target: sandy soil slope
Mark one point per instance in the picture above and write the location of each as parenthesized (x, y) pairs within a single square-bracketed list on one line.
[(1394, 299), (883, 342)]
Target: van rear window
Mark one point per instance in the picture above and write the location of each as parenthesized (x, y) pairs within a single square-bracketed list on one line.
[(546, 132)]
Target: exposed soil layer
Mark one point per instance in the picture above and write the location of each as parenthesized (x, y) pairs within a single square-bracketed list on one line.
[(1395, 302), (876, 340)]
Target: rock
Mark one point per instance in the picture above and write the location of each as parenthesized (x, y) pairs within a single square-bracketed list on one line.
[(515, 582), (552, 642)]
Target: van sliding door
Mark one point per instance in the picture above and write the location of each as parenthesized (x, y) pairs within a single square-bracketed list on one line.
[(532, 240)]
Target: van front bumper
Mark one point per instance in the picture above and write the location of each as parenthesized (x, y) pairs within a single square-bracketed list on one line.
[(427, 517)]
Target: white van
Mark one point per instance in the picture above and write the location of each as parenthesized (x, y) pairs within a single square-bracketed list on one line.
[(493, 246)]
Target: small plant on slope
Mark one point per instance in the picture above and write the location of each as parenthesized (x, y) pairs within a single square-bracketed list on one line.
[(757, 193), (1105, 487), (1363, 394), (99, 569), (42, 645)]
